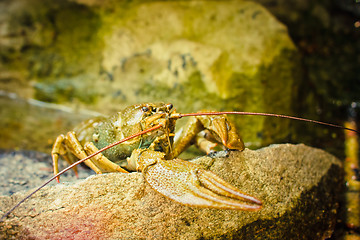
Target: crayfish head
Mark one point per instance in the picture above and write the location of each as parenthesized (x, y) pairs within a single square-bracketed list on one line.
[(147, 115), (142, 116), (158, 113)]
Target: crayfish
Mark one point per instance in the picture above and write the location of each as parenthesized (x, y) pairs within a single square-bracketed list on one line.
[(142, 138)]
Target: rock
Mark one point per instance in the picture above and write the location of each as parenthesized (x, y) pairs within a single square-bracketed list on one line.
[(212, 55), (25, 170), (28, 124), (299, 186)]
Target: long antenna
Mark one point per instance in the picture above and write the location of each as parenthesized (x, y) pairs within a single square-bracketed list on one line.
[(180, 115), (77, 163), (176, 115)]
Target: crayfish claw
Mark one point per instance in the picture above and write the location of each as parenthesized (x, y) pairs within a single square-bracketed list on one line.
[(216, 184), (189, 184)]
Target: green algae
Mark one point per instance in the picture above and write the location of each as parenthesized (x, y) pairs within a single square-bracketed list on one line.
[(119, 54)]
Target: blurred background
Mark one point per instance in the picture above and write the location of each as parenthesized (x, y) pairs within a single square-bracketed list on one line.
[(64, 61)]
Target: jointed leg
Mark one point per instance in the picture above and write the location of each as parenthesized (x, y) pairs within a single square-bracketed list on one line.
[(76, 148), (58, 149), (69, 143), (203, 143), (186, 136), (64, 145), (104, 164), (217, 130)]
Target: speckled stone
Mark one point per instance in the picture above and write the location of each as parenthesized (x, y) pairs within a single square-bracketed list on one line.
[(299, 186)]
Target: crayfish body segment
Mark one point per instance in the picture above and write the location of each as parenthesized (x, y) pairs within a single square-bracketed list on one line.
[(154, 153)]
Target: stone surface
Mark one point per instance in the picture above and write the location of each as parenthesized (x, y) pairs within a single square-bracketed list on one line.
[(299, 186), (25, 170)]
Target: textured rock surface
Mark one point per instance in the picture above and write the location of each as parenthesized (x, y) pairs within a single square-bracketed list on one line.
[(298, 184), (25, 170)]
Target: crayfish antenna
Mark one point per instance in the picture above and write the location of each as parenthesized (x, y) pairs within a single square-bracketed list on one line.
[(180, 115)]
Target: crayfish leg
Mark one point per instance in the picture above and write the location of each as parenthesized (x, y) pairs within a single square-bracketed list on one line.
[(213, 129), (101, 161), (57, 150), (204, 144), (69, 143)]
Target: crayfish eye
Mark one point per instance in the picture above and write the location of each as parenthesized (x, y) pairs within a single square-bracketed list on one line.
[(145, 109), (169, 106)]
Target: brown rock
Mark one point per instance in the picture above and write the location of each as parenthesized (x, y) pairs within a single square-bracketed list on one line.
[(299, 186)]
